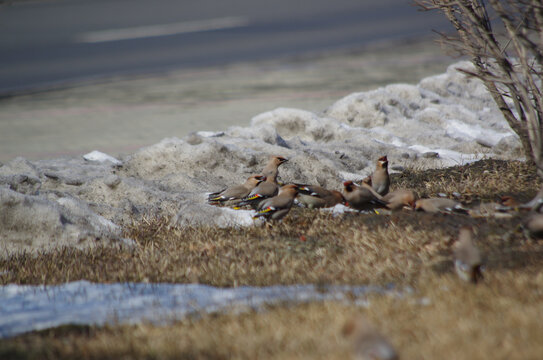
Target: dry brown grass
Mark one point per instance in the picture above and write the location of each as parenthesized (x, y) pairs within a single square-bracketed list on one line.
[(498, 319), (483, 180), (349, 249), (444, 319)]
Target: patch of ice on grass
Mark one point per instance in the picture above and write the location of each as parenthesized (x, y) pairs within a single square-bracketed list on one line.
[(339, 209), (25, 307)]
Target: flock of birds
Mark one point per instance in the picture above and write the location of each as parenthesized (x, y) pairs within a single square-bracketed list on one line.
[(273, 201)]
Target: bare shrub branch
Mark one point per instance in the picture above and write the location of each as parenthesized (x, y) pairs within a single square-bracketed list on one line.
[(507, 51)]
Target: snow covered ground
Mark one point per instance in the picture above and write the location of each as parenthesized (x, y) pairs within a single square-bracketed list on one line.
[(27, 308), (445, 120)]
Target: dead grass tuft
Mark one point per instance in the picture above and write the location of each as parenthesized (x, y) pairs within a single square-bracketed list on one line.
[(481, 180), (309, 247)]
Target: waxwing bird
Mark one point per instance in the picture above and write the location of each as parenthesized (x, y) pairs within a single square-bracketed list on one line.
[(534, 224), (236, 192), (400, 198), (266, 189), (368, 342), (435, 205), (314, 196), (275, 208), (272, 168), (362, 197), (467, 257), (380, 180)]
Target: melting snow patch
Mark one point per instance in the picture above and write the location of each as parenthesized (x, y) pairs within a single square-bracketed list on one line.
[(456, 157), (339, 209), (101, 157), (466, 131), (210, 133), (26, 308)]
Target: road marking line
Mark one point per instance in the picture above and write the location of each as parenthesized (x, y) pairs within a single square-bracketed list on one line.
[(161, 30)]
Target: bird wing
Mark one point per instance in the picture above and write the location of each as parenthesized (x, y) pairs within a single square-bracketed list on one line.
[(236, 192)]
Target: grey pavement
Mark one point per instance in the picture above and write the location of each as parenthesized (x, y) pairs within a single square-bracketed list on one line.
[(44, 43), (121, 114)]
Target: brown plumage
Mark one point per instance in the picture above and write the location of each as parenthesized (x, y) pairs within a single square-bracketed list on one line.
[(314, 196), (467, 257), (272, 168), (400, 198), (435, 205), (266, 189), (362, 197), (236, 192), (275, 208), (380, 180), (368, 343)]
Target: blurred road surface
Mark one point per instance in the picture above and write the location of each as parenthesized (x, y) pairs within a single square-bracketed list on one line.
[(47, 44)]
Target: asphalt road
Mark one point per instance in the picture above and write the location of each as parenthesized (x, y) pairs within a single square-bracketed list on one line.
[(51, 43)]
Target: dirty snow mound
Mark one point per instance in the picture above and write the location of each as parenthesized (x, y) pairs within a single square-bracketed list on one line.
[(445, 120)]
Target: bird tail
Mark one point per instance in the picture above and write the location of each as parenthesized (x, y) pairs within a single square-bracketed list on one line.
[(264, 212), (214, 194), (304, 189), (251, 200)]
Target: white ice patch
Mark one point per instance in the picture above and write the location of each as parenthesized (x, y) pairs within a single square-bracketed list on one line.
[(101, 157), (210, 133), (489, 137), (236, 218), (456, 157), (208, 215), (339, 209), (25, 308)]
